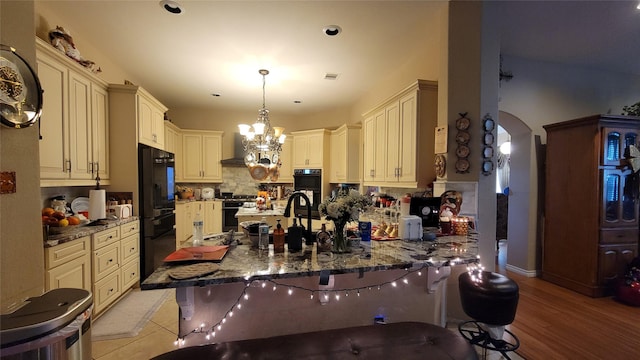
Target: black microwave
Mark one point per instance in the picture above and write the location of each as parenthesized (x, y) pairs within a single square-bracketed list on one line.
[(308, 181)]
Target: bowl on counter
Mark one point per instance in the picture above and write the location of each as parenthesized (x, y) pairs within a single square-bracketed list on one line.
[(250, 229)]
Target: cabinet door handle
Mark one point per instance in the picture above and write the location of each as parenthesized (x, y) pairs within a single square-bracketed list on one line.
[(68, 165)]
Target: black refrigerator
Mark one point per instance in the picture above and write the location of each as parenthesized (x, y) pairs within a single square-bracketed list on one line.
[(156, 174)]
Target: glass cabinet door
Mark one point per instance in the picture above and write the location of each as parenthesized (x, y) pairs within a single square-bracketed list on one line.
[(616, 142), (619, 198)]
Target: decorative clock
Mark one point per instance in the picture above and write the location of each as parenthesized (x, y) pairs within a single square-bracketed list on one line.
[(20, 90)]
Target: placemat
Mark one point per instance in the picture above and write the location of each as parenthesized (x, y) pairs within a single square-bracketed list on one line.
[(183, 272)]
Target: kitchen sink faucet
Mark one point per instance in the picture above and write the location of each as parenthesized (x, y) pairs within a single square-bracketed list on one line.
[(287, 213)]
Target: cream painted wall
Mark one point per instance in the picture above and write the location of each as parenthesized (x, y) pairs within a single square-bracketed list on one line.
[(112, 71), (544, 93), (21, 250)]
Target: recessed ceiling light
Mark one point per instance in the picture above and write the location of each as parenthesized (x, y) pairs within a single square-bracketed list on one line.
[(332, 30), (172, 6)]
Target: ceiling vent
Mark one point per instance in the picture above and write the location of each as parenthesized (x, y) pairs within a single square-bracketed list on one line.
[(329, 76)]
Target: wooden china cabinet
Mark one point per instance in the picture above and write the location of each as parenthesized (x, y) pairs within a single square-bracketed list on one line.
[(591, 202)]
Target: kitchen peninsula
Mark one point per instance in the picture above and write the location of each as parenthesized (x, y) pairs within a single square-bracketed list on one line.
[(258, 293)]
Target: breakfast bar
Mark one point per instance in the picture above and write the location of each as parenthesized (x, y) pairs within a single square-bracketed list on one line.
[(258, 293)]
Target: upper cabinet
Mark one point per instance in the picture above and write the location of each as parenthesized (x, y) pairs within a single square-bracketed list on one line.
[(201, 155), (150, 121), (74, 148), (129, 108), (345, 155), (310, 148), (286, 156), (399, 138), (173, 144)]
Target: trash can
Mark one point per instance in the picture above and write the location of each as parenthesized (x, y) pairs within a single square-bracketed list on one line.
[(55, 325)]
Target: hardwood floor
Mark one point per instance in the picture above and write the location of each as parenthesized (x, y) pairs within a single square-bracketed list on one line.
[(555, 323)]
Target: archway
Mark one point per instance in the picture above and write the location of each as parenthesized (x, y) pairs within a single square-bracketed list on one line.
[(522, 250)]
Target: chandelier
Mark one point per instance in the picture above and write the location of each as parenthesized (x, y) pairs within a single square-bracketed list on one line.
[(262, 143)]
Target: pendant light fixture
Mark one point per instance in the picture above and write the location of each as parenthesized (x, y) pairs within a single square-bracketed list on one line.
[(262, 143)]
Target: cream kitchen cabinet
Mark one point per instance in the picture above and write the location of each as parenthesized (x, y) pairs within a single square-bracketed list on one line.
[(185, 212), (129, 255), (173, 144), (345, 155), (212, 216), (211, 212), (402, 154), (374, 147), (201, 153), (74, 148), (124, 108), (68, 265), (115, 263), (310, 148), (150, 121), (286, 156)]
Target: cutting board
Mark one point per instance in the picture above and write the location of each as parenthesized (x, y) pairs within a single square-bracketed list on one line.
[(198, 253)]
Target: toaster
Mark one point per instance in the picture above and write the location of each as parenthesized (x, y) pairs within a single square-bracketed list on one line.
[(121, 211), (410, 227)]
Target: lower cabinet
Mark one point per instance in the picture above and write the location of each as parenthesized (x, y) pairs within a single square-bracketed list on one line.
[(211, 212), (115, 263), (68, 265)]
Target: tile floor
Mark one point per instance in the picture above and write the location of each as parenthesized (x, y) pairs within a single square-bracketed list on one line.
[(159, 334), (156, 338)]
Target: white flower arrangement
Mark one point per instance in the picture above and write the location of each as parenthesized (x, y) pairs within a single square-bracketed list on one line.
[(345, 207)]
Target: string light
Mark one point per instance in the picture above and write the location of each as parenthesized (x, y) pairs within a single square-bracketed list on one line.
[(244, 295)]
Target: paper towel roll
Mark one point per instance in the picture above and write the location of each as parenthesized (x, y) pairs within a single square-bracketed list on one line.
[(97, 204)]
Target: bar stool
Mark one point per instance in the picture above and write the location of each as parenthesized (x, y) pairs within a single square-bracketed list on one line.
[(490, 299)]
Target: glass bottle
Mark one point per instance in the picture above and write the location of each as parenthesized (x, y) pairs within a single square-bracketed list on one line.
[(278, 238), (263, 234), (323, 239), (198, 235)]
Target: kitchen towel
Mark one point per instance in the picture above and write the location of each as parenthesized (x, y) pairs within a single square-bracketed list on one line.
[(97, 204)]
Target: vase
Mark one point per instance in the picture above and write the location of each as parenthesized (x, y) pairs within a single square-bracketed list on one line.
[(340, 242)]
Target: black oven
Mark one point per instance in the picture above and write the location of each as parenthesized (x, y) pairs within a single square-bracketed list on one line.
[(308, 181), (229, 210)]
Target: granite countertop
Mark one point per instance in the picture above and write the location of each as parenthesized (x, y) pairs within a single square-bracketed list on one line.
[(255, 212), (242, 262), (70, 233)]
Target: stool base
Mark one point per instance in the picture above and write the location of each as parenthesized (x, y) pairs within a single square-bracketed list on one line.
[(476, 335)]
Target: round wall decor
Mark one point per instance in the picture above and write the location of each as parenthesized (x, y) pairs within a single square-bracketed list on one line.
[(20, 90)]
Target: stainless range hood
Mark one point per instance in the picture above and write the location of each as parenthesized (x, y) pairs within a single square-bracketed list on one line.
[(238, 153)]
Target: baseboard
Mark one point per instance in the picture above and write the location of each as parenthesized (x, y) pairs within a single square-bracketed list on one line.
[(523, 272)]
